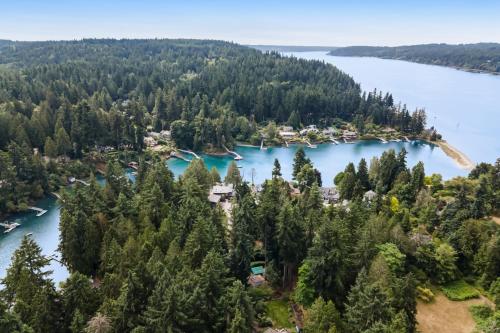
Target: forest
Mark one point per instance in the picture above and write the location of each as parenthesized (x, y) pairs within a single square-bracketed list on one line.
[(68, 98), (156, 256), (481, 57)]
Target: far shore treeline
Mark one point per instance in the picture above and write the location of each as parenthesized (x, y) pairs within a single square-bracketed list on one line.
[(480, 57)]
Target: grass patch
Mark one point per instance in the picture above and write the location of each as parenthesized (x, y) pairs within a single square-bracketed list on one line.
[(459, 291), (279, 312), (263, 292), (483, 316)]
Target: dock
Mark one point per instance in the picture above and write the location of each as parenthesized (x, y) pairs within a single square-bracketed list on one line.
[(286, 143), (262, 145), (334, 141), (83, 182), (189, 152), (405, 138), (237, 156), (179, 156), (383, 140), (311, 145), (57, 195), (9, 226), (39, 211)]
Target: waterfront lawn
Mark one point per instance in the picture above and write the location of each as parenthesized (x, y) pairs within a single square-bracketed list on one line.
[(459, 291), (279, 312)]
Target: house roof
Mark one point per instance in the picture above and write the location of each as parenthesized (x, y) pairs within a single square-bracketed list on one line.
[(222, 189), (214, 198), (257, 270)]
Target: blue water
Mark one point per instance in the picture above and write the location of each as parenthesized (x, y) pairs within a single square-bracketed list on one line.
[(464, 107), (45, 231), (328, 158)]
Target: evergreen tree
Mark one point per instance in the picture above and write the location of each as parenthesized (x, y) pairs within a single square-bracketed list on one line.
[(299, 161), (233, 174)]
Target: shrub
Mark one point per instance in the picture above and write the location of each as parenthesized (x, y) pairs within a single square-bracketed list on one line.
[(459, 290), (425, 294)]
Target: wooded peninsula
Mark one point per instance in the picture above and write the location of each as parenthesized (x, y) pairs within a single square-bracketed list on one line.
[(480, 57)]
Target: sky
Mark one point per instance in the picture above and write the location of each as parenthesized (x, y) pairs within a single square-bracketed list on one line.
[(271, 22)]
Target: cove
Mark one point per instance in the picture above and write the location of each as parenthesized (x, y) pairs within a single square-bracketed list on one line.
[(328, 158)]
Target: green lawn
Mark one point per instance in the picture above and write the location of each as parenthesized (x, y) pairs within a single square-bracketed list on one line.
[(279, 312), (459, 291)]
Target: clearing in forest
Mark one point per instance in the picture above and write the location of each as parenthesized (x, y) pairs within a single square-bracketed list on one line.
[(446, 316)]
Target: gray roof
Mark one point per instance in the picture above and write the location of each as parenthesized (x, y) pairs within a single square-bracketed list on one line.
[(222, 189), (214, 198)]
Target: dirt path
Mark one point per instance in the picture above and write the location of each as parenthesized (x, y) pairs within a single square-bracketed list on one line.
[(496, 219), (460, 158), (445, 316)]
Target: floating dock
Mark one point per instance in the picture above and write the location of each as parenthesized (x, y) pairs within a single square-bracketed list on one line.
[(189, 152), (383, 140), (9, 226), (39, 211), (406, 139), (334, 141), (237, 156), (311, 145), (179, 156), (262, 145)]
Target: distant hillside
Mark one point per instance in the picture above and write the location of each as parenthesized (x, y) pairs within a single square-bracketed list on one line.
[(481, 57), (291, 48)]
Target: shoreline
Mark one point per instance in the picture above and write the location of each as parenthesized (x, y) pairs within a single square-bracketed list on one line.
[(462, 160)]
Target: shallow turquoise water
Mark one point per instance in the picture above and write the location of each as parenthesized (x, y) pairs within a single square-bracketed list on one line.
[(328, 158)]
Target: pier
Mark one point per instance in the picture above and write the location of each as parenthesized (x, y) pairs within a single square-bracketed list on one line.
[(405, 138), (310, 145), (334, 141), (39, 211), (286, 143), (179, 156), (262, 145), (9, 226), (237, 156), (57, 195), (383, 140), (190, 152)]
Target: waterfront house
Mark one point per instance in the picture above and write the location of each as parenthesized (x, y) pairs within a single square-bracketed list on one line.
[(286, 128), (310, 128), (165, 135), (346, 134), (287, 134), (150, 141), (220, 192), (330, 131)]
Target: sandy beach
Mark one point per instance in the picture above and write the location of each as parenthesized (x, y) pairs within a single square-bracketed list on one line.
[(460, 158)]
